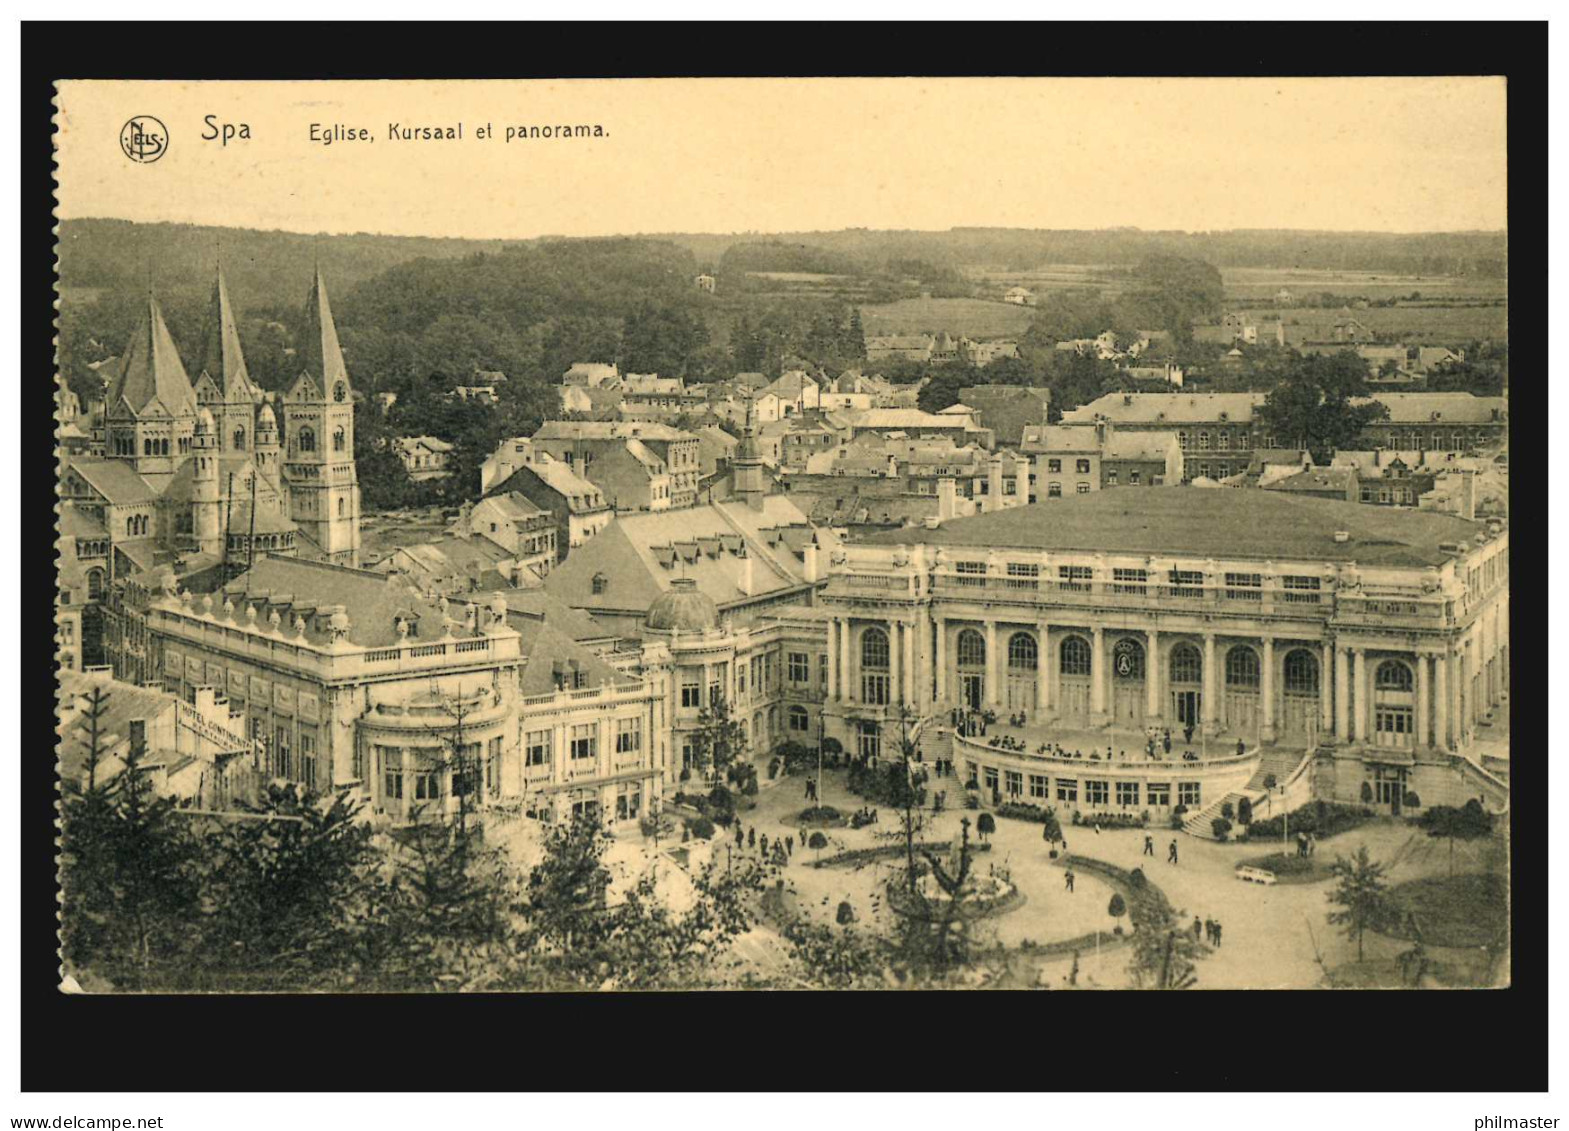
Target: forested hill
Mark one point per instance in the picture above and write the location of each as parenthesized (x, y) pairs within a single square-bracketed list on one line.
[(1018, 249), (268, 268)]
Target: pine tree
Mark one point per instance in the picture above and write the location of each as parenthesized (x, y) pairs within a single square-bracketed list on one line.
[(1361, 895)]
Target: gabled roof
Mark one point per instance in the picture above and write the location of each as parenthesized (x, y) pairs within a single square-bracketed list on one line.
[(114, 480), (515, 507), (559, 478), (549, 650), (77, 523), (1451, 408), (536, 603), (1316, 480), (150, 379), (607, 430), (1169, 408)]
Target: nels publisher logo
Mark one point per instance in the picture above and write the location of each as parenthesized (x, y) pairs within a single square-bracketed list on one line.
[(144, 139)]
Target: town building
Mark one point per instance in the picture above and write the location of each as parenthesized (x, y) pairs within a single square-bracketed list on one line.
[(1353, 653), (424, 457), (525, 531), (591, 374), (1317, 483), (194, 751), (912, 423), (452, 565), (1019, 296), (1450, 422), (579, 508), (900, 347), (982, 354), (706, 283), (638, 466), (1076, 459), (808, 436)]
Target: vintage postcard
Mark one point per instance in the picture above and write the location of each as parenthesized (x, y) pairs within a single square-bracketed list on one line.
[(782, 534)]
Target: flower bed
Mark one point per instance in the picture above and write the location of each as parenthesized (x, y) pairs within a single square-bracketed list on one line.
[(1110, 820), (816, 817), (1289, 868), (867, 855), (1321, 818), (1003, 898)]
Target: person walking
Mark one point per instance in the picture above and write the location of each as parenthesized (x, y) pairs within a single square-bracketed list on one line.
[(1165, 741), (1187, 734), (789, 846), (1312, 844), (1209, 931), (1068, 879), (1149, 845), (1242, 748), (1171, 853), (740, 837), (1217, 932), (1197, 928), (763, 844), (751, 838)]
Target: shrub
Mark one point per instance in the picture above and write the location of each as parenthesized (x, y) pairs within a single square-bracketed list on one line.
[(1227, 811), (1022, 811), (750, 788), (820, 813), (1269, 781), (845, 915), (985, 825), (1367, 793), (1112, 821), (701, 828), (1221, 828), (1322, 819), (1176, 820), (1245, 812), (773, 767), (686, 774), (817, 841), (971, 801), (1136, 879), (1116, 908), (1411, 800)]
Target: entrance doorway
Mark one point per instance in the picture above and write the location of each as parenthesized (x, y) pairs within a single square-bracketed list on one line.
[(973, 688), (1187, 707), (1389, 787)]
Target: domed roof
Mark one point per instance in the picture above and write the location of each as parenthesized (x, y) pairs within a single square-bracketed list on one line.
[(683, 608)]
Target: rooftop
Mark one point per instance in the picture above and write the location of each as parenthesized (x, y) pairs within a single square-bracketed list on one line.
[(1193, 521)]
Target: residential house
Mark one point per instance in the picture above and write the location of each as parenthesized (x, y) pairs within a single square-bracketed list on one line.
[(639, 466), (525, 530), (1019, 296), (1318, 482), (424, 457), (579, 508), (706, 283), (591, 375), (507, 458), (915, 424), (1077, 459), (900, 347), (982, 354), (809, 435), (591, 402), (196, 751), (453, 564)]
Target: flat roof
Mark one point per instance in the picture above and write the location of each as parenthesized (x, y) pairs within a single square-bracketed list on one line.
[(1200, 522)]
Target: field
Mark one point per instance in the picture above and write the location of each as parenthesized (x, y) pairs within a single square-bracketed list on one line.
[(970, 317), (1413, 325), (1263, 282)]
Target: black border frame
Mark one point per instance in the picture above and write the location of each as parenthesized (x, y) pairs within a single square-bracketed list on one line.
[(1475, 1041)]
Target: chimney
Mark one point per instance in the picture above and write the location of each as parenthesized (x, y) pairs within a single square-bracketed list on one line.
[(947, 499), (206, 701), (810, 562), (1468, 495), (1100, 432), (747, 580), (994, 482)]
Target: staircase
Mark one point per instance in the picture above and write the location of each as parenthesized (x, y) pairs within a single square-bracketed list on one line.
[(1282, 762), (1198, 824), (934, 743)]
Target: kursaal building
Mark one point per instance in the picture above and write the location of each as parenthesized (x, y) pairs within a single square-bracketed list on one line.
[(1317, 649)]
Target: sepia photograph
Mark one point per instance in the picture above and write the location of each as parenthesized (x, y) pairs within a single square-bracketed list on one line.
[(837, 534)]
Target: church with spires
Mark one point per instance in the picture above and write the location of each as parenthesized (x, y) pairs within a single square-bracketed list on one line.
[(216, 472)]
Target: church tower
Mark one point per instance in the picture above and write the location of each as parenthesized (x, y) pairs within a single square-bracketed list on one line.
[(150, 416), (206, 516), (750, 482), (223, 383), (268, 451), (318, 457)]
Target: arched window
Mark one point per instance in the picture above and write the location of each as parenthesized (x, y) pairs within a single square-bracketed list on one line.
[(1393, 676), (799, 719), (1075, 656), (340, 392), (307, 439), (130, 527), (874, 649), (1127, 660), (972, 649), (1203, 441), (1022, 652), (1301, 672), (1242, 667), (239, 439), (339, 438), (95, 584), (342, 507), (1187, 665)]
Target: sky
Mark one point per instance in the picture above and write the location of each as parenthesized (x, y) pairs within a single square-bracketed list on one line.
[(779, 155)]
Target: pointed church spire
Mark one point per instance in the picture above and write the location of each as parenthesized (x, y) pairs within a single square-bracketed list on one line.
[(222, 358), (320, 355), (150, 370)]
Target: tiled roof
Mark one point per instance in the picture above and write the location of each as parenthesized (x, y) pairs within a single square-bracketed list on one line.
[(1316, 480), (150, 375), (607, 430), (1207, 523), (536, 603), (631, 551), (77, 523), (548, 650), (1452, 408), (372, 601), (906, 418), (114, 480), (1169, 408), (1138, 445)]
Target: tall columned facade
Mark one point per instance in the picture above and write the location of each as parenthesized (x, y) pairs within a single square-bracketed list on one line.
[(1384, 648)]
